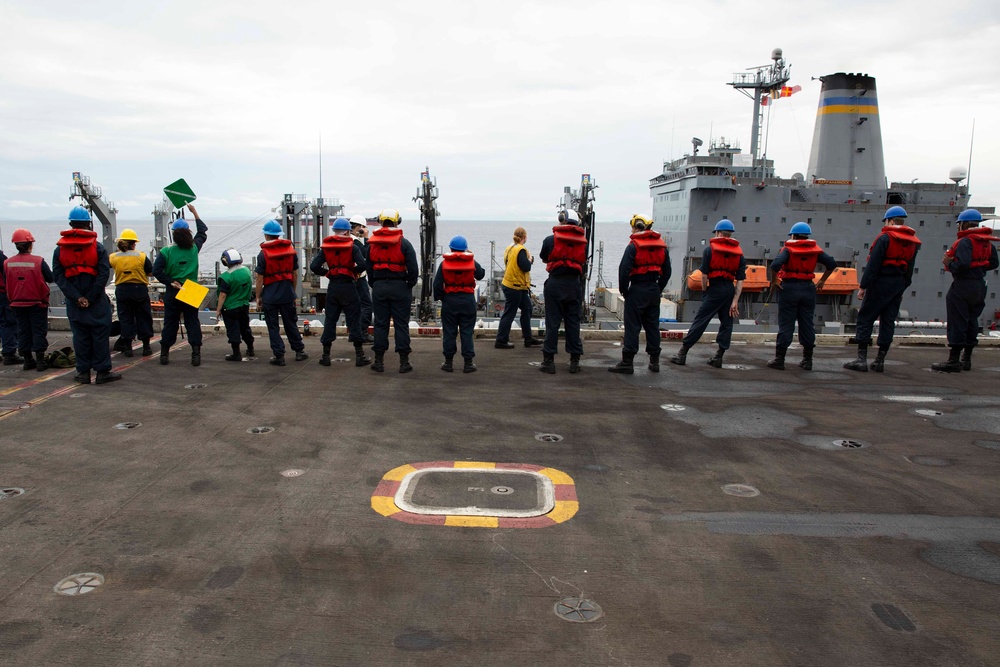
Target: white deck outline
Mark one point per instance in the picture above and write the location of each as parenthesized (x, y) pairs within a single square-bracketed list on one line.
[(546, 505)]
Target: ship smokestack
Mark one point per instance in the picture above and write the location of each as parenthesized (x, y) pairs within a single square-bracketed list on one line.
[(847, 141)]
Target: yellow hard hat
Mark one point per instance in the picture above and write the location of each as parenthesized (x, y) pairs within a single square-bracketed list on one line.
[(390, 215), (636, 219), (128, 235)]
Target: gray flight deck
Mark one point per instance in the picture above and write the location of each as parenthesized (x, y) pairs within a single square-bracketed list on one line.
[(741, 516)]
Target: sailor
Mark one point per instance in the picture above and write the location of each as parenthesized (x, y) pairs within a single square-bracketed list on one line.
[(8, 323), (516, 286), (359, 229), (565, 257), (968, 260), (277, 283), (723, 270), (174, 265), (392, 270), (795, 267), (81, 270), (341, 260), (132, 270), (888, 272), (26, 278), (642, 275), (235, 290), (455, 288)]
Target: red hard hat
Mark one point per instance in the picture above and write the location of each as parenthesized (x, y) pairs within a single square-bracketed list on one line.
[(22, 236)]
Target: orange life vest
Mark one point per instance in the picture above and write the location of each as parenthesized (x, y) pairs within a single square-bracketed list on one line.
[(903, 245), (725, 260), (339, 254), (78, 251), (802, 257), (569, 248), (982, 244), (25, 285), (459, 272), (279, 260), (650, 252), (385, 250)]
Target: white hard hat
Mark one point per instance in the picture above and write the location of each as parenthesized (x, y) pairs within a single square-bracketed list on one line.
[(358, 220)]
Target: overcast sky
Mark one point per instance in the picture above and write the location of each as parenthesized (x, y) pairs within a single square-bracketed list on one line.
[(507, 102)]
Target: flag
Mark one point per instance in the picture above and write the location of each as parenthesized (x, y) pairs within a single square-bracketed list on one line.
[(778, 93)]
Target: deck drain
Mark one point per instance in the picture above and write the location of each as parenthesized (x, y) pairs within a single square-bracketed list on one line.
[(197, 385), (10, 492), (256, 430), (127, 425), (78, 584), (928, 413), (501, 490), (740, 490), (292, 472), (893, 617), (672, 407), (934, 461), (850, 444), (77, 395), (578, 610), (548, 437)]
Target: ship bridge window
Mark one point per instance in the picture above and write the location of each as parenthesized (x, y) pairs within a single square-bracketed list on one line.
[(757, 219), (744, 218), (866, 246), (916, 269), (921, 223), (947, 223), (704, 218), (826, 245), (913, 293), (784, 220), (993, 295), (829, 221), (939, 295), (868, 223), (809, 221), (755, 243)]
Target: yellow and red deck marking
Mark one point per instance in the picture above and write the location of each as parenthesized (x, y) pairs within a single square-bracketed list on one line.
[(566, 503)]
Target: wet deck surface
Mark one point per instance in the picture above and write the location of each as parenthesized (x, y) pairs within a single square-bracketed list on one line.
[(885, 552)]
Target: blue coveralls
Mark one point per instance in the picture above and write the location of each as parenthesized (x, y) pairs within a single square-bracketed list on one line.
[(8, 320), (716, 301), (797, 303), (458, 315), (173, 309), (563, 293), (91, 326), (642, 301), (516, 299), (967, 295), (391, 298), (884, 288), (278, 300), (341, 297)]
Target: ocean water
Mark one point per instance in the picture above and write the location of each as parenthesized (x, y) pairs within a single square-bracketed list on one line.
[(246, 237)]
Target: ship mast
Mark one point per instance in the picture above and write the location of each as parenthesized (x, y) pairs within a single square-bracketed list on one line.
[(757, 82), (427, 193)]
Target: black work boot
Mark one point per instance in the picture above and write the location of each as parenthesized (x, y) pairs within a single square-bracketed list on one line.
[(953, 365), (470, 366), (625, 365), (654, 362), (379, 365), (448, 366), (250, 351), (548, 364), (878, 365), (127, 348), (778, 363), (967, 358), (29, 360), (277, 360), (147, 351), (359, 355), (40, 363), (104, 377), (716, 361), (681, 357), (404, 362), (164, 355), (533, 342), (82, 378), (807, 359), (861, 363), (12, 359), (301, 355), (196, 355), (235, 356), (120, 345), (574, 363), (325, 359)]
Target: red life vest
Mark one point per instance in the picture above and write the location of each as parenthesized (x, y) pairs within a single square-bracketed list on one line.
[(279, 260), (802, 257), (725, 260), (569, 248), (982, 244), (903, 245), (25, 285), (385, 250), (78, 251), (339, 254), (459, 272), (650, 252)]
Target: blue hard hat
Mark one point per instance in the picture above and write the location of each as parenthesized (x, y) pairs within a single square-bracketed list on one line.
[(459, 244), (725, 225), (180, 223), (272, 228), (970, 215), (342, 223), (79, 214), (800, 228), (894, 212)]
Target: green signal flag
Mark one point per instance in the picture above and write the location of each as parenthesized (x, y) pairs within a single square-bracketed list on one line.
[(179, 193)]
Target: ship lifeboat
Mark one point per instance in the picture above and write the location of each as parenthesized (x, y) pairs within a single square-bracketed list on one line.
[(841, 281), (756, 280)]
